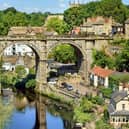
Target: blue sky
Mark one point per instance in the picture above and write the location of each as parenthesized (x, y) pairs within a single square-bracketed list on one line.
[(54, 6)]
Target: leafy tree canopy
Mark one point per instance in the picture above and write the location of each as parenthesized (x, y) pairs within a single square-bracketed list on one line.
[(107, 8), (11, 17), (57, 25), (63, 53)]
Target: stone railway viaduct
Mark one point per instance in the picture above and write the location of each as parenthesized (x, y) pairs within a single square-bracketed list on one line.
[(83, 47)]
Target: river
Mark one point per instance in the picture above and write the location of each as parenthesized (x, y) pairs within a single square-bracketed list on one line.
[(23, 114)]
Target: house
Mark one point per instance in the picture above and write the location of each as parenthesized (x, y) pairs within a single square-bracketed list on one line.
[(97, 25), (119, 106), (117, 28), (127, 28), (18, 49), (75, 31), (100, 76), (8, 66)]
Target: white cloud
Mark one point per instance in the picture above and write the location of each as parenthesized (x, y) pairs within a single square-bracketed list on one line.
[(4, 6), (62, 5)]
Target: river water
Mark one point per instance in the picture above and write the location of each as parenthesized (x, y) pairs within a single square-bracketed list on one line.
[(23, 115)]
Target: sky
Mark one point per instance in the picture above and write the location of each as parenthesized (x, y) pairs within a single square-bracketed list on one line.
[(54, 6)]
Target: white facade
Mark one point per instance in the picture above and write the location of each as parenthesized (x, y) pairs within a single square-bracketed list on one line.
[(18, 49), (8, 67)]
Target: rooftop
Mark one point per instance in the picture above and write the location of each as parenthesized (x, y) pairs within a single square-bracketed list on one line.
[(127, 21), (102, 72), (118, 95)]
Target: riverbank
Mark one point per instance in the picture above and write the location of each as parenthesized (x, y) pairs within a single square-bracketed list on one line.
[(54, 95), (5, 112)]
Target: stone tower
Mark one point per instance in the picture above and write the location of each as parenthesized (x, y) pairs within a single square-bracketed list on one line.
[(74, 3)]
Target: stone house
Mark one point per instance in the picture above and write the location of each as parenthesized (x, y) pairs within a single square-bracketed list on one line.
[(101, 26), (100, 76), (117, 28), (97, 25), (127, 28), (119, 106)]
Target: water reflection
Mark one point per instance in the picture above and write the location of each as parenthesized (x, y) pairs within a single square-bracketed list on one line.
[(24, 115), (55, 122)]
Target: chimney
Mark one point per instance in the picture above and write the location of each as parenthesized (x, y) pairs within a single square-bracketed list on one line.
[(121, 86)]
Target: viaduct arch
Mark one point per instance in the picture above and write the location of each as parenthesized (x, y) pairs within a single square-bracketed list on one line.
[(43, 46)]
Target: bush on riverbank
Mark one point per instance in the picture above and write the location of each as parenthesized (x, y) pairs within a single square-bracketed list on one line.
[(84, 111), (5, 113)]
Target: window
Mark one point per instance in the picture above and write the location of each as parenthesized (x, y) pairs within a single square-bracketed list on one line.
[(123, 106)]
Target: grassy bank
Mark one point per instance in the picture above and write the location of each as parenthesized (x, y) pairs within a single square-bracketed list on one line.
[(55, 96), (5, 113)]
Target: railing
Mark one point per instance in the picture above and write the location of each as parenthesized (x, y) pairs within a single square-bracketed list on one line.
[(89, 36)]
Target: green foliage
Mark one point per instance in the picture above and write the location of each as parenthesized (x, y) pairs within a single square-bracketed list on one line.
[(81, 116), (107, 8), (8, 80), (73, 17), (106, 115), (124, 78), (113, 82), (103, 125), (119, 42), (31, 84), (32, 71), (106, 92), (97, 100), (86, 105), (63, 53), (101, 59), (57, 25), (11, 17), (20, 70), (83, 112), (122, 59)]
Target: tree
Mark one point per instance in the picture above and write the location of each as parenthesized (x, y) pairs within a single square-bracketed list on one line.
[(57, 25), (31, 84), (102, 125), (8, 80), (20, 70), (122, 59), (86, 105), (37, 19), (73, 17), (63, 53), (101, 59)]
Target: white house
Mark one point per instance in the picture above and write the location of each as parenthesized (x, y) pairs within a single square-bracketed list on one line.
[(8, 67), (18, 49), (100, 76), (119, 106)]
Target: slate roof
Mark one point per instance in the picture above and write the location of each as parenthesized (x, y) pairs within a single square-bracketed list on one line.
[(111, 109), (127, 21), (118, 95)]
